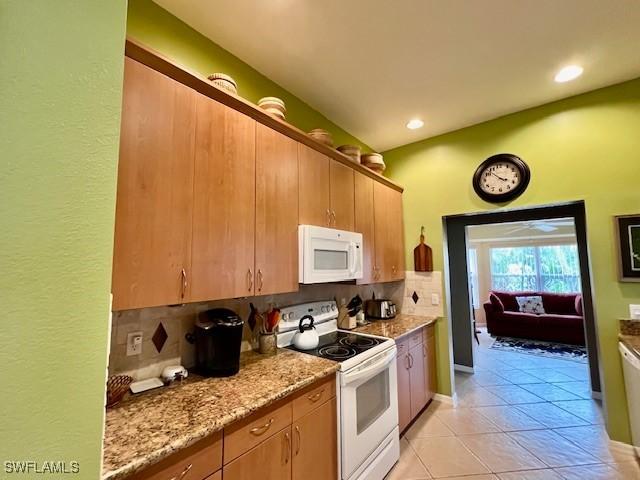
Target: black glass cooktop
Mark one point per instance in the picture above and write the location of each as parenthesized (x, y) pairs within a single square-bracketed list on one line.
[(341, 346)]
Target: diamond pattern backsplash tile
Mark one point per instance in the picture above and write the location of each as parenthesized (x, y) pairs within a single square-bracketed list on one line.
[(415, 297), (159, 337)]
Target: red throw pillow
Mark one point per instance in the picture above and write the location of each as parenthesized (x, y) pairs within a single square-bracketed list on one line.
[(579, 310), (496, 302)]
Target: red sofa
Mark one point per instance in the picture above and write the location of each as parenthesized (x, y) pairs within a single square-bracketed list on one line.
[(562, 321)]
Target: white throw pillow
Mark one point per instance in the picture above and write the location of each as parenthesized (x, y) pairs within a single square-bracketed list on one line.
[(531, 304)]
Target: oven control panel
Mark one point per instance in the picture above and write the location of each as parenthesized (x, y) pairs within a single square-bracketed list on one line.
[(321, 312)]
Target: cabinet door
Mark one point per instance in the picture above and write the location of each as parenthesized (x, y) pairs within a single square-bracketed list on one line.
[(404, 385), (417, 379), (389, 235), (315, 444), (152, 243), (314, 200), (342, 196), (271, 460), (430, 359), (397, 226), (364, 224), (224, 203), (276, 212)]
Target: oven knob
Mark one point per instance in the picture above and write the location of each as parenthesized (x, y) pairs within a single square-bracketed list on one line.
[(323, 309), (285, 316), (333, 307)]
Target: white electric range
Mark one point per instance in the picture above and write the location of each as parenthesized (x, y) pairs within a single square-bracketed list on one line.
[(367, 394)]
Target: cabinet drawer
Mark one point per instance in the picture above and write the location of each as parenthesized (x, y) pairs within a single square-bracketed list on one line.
[(200, 461), (313, 396), (415, 338), (253, 430)]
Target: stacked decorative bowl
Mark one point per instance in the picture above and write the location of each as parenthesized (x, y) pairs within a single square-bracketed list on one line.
[(351, 151), (321, 136), (273, 106), (373, 161), (224, 81)]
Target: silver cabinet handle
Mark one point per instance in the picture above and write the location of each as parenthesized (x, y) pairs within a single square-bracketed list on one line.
[(328, 217), (333, 215), (260, 280), (184, 472), (250, 280), (316, 396), (257, 431), (299, 440), (287, 448), (408, 362), (183, 274)]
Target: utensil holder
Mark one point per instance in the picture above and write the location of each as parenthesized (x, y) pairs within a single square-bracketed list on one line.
[(267, 343)]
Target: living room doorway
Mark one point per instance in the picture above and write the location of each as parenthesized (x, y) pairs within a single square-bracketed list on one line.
[(519, 281)]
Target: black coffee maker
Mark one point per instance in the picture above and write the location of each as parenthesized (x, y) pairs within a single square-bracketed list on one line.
[(218, 335)]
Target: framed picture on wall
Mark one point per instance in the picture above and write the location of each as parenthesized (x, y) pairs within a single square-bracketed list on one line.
[(628, 230)]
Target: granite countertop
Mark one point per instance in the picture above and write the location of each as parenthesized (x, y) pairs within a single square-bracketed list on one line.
[(398, 327), (630, 335), (148, 427)]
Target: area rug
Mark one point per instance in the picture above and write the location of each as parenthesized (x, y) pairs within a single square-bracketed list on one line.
[(561, 351)]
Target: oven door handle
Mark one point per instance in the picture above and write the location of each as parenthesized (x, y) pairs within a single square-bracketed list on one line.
[(370, 368)]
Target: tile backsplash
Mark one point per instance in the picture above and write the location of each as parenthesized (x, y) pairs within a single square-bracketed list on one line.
[(419, 289), (179, 320)]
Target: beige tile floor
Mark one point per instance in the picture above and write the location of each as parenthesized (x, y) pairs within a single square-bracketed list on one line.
[(519, 417)]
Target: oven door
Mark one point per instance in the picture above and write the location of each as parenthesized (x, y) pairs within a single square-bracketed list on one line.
[(369, 408), (329, 255)]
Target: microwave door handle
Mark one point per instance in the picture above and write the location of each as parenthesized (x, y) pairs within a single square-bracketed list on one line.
[(352, 258), (371, 370)]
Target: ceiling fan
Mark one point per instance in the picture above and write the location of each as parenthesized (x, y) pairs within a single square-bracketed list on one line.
[(546, 226)]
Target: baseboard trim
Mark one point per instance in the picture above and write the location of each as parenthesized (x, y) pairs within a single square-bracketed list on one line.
[(448, 399), (624, 448), (463, 368), (596, 395)]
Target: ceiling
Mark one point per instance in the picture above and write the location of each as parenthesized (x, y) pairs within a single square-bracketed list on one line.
[(560, 228), (371, 65)]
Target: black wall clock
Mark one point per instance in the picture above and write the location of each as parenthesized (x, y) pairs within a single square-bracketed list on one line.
[(501, 177)]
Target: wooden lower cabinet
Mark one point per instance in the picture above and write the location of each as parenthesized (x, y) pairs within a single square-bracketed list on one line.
[(404, 384), (305, 449), (215, 476), (417, 369), (271, 460), (416, 374), (311, 433), (198, 462)]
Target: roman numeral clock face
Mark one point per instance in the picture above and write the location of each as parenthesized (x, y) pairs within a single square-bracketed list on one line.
[(501, 178)]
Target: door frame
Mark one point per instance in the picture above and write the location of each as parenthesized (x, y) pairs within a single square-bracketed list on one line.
[(458, 301)]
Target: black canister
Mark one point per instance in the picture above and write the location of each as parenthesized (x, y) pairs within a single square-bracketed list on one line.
[(218, 336)]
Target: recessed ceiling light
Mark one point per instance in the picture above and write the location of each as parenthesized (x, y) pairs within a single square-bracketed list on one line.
[(568, 73), (415, 123)]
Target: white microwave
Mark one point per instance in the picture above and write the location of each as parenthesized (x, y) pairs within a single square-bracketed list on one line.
[(328, 255)]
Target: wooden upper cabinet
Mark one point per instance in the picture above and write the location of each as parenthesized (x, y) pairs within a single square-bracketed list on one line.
[(223, 203), (363, 223), (389, 233), (315, 444), (152, 243), (314, 187), (342, 196), (276, 261)]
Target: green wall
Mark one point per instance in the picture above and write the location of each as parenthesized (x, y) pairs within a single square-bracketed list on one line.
[(584, 148), (155, 27), (61, 80)]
